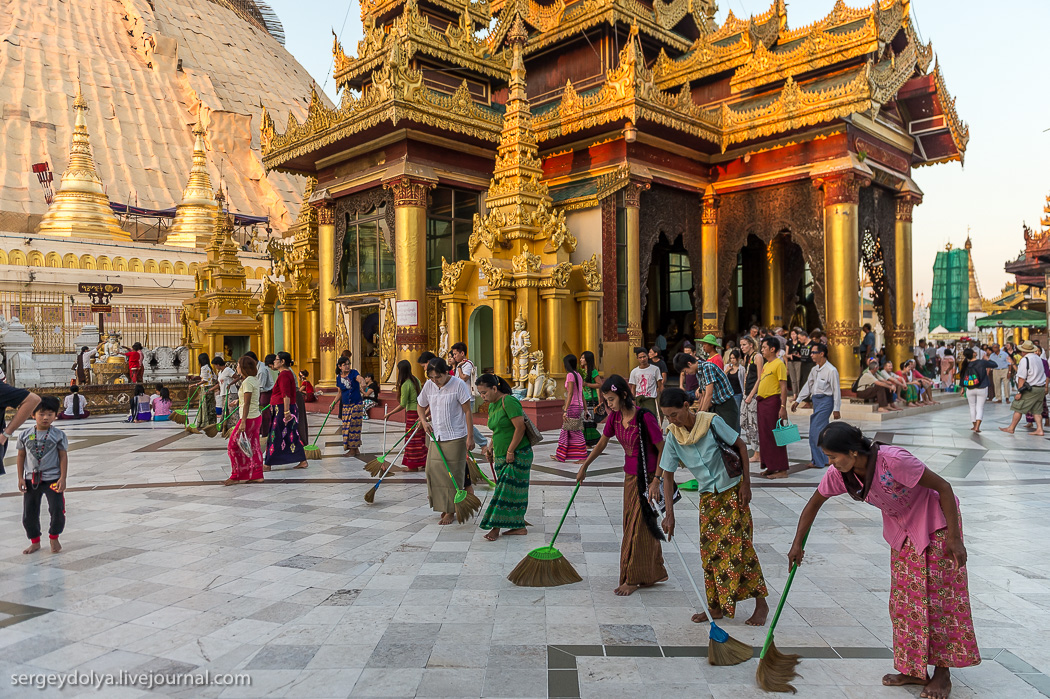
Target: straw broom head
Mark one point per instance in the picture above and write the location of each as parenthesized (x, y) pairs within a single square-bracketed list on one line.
[(467, 507), (776, 670), (178, 418), (375, 467), (477, 477), (728, 652), (544, 567), (313, 452), (211, 430), (370, 496)]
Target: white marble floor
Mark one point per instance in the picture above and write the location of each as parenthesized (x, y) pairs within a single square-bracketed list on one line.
[(311, 592)]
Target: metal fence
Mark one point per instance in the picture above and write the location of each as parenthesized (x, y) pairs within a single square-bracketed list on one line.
[(53, 320)]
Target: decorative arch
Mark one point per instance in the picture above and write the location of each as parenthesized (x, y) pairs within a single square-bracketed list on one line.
[(70, 261), (35, 258), (17, 258), (180, 267), (672, 212), (104, 263), (150, 267), (192, 269), (120, 264), (53, 259), (135, 265), (261, 272), (87, 262), (796, 209), (166, 268), (3, 257)]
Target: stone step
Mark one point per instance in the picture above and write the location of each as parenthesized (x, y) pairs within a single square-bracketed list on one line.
[(852, 410)]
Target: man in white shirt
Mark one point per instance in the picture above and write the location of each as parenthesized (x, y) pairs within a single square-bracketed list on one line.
[(646, 382), (822, 387), (465, 371), (1031, 389)]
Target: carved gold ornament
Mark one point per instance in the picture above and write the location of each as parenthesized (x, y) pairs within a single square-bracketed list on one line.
[(592, 273), (450, 275)]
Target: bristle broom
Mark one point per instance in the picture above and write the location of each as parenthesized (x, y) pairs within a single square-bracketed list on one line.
[(211, 430), (312, 451), (477, 476), (178, 417), (374, 468), (546, 566), (775, 669), (466, 507), (370, 494)]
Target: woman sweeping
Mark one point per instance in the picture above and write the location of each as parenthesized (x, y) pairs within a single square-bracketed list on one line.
[(752, 367), (591, 398), (415, 456), (284, 446), (448, 398), (245, 468), (206, 388), (637, 430), (571, 443), (929, 599), (351, 410), (512, 455), (731, 569)]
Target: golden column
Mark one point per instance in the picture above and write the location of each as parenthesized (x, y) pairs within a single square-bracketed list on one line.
[(1000, 336), (502, 305), (633, 202), (709, 264), (326, 333), (453, 314), (842, 273), (410, 226), (900, 337), (773, 301), (266, 313), (555, 330), (311, 348), (288, 319), (590, 333)]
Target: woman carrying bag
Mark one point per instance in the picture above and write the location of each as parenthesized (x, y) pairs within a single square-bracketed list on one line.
[(511, 454)]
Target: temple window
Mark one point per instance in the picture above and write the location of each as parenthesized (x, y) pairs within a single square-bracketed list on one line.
[(368, 264), (450, 220), (679, 282), (621, 264)]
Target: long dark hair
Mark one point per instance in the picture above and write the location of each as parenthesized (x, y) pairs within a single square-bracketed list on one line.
[(618, 385), (203, 359), (404, 373), (140, 390), (844, 438), (165, 394), (570, 364), (496, 382), (587, 359), (645, 445), (967, 358), (76, 398)]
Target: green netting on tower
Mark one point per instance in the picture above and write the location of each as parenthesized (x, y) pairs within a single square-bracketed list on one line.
[(951, 290)]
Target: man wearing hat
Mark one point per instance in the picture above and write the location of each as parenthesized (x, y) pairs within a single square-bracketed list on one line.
[(709, 344), (1031, 388)]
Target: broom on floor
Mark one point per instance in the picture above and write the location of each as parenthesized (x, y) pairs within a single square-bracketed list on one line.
[(179, 416), (370, 496), (546, 566), (375, 466), (776, 669), (466, 504), (313, 451), (722, 649)]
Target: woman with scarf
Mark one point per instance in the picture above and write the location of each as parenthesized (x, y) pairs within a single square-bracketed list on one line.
[(591, 398), (284, 445), (351, 411), (511, 455), (752, 369), (929, 599), (415, 456), (206, 388), (571, 444), (731, 569), (638, 431)]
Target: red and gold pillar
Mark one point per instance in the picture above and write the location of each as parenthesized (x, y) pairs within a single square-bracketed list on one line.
[(327, 313), (410, 226), (633, 204)]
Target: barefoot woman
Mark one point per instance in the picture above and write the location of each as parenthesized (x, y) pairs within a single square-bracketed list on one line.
[(929, 600), (449, 423), (731, 568), (512, 455), (637, 430)]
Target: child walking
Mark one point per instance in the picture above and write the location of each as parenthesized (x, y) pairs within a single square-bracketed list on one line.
[(42, 466)]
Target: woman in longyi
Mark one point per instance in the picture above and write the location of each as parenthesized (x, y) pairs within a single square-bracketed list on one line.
[(929, 599)]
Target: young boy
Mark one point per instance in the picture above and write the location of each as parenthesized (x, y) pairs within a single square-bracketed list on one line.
[(42, 465)]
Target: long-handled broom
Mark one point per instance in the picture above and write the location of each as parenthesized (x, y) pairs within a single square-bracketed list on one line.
[(477, 476), (775, 669), (370, 496), (313, 451), (546, 566), (179, 416), (722, 649), (375, 466), (466, 504)]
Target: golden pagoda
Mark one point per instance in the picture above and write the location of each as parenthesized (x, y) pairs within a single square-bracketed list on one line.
[(195, 215), (81, 208)]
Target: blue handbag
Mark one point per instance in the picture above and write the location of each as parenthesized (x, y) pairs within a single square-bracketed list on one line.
[(785, 433)]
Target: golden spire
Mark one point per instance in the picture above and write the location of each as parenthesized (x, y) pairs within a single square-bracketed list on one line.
[(80, 207), (195, 214)]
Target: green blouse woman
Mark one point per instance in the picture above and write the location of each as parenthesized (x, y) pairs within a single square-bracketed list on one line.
[(511, 453), (592, 382)]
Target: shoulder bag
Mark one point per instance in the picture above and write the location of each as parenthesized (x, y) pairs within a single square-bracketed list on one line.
[(730, 458), (532, 435)]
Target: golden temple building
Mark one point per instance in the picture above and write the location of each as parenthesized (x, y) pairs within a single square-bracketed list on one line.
[(584, 175)]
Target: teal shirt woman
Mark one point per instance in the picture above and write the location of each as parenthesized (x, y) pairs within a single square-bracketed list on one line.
[(511, 454)]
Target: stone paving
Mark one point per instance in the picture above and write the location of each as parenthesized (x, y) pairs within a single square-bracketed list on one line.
[(314, 593)]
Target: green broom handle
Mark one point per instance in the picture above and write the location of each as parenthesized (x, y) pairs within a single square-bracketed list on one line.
[(226, 414), (323, 423), (437, 443), (190, 399), (565, 514), (780, 605)]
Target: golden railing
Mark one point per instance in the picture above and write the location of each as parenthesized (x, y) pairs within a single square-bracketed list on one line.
[(54, 321)]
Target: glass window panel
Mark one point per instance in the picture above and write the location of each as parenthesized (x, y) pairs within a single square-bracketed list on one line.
[(466, 205), (387, 269), (439, 244), (350, 259), (441, 202), (368, 257)]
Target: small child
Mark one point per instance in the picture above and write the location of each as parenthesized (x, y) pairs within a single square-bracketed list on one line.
[(42, 465), (369, 396), (309, 396), (160, 401)]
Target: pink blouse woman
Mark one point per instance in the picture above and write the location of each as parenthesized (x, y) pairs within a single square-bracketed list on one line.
[(929, 599), (572, 445)]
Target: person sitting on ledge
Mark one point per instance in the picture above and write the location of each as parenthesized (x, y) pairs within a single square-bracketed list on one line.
[(74, 405)]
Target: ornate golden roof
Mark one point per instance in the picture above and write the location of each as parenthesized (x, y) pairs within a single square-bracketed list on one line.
[(80, 207), (960, 131), (195, 214)]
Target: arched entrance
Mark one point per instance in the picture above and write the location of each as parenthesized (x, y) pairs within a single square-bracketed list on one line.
[(771, 285), (479, 338), (669, 293)]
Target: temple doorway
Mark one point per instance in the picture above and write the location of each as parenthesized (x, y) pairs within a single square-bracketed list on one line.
[(235, 346), (748, 282), (772, 286), (479, 339), (368, 317), (669, 296)]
